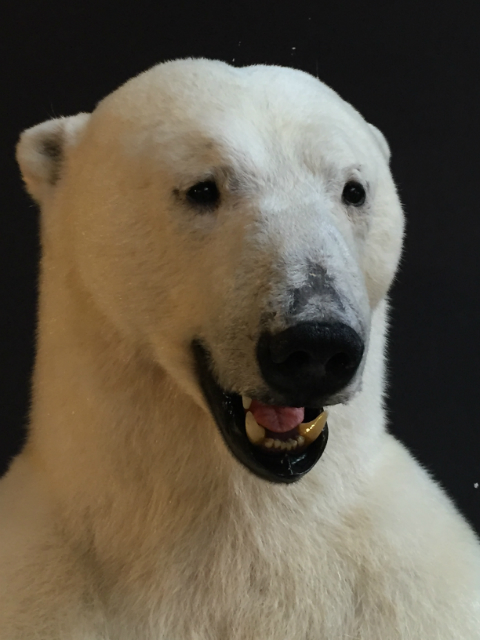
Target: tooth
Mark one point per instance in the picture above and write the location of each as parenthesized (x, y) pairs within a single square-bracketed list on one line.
[(268, 442), (288, 446), (246, 401), (311, 430), (300, 441), (293, 443), (277, 444), (255, 432)]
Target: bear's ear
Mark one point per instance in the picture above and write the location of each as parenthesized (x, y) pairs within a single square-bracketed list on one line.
[(381, 140), (41, 152)]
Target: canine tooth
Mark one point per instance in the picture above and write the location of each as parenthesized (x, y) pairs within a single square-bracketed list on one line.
[(293, 443), (311, 430), (246, 401), (288, 446), (277, 444), (268, 442), (300, 441), (255, 432)]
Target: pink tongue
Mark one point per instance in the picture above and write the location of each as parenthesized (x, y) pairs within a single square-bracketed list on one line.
[(277, 419)]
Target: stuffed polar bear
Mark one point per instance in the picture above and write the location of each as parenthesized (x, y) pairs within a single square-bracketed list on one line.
[(207, 455)]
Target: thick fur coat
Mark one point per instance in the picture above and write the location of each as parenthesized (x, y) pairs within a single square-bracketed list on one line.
[(126, 517)]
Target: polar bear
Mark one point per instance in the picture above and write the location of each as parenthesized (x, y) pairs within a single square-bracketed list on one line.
[(207, 455)]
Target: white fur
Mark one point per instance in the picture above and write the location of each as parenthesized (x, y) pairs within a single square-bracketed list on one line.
[(125, 517)]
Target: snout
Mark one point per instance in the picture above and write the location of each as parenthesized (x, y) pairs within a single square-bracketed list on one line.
[(309, 362)]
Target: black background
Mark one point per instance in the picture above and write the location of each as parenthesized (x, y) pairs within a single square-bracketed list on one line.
[(411, 69)]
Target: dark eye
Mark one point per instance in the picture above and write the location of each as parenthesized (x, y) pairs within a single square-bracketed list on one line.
[(354, 193), (205, 194)]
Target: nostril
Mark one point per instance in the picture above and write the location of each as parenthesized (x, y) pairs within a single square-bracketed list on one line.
[(338, 364), (297, 360)]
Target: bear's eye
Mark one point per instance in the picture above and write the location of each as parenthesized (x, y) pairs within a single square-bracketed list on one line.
[(354, 193), (205, 194)]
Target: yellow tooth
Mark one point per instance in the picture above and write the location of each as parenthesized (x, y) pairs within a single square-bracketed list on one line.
[(293, 443), (311, 430), (268, 442), (300, 441), (277, 444), (255, 432), (246, 401)]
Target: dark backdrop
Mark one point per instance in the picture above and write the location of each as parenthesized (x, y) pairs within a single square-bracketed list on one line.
[(411, 69)]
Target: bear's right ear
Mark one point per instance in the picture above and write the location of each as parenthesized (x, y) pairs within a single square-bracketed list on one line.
[(41, 152)]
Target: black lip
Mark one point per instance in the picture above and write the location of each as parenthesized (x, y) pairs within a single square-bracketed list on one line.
[(229, 416)]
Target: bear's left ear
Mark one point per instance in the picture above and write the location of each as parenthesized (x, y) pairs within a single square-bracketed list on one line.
[(41, 152), (381, 140)]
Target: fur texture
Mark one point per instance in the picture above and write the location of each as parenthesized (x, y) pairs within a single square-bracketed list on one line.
[(126, 517)]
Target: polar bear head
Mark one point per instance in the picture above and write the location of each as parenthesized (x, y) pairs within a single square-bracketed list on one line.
[(238, 227)]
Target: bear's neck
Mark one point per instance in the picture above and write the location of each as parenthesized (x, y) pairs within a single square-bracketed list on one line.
[(124, 453)]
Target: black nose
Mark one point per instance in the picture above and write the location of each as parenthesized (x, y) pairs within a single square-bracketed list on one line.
[(309, 361)]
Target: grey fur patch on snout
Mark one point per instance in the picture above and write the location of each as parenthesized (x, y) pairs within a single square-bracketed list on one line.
[(317, 295)]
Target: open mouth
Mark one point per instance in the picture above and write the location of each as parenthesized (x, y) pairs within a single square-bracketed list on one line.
[(279, 444)]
